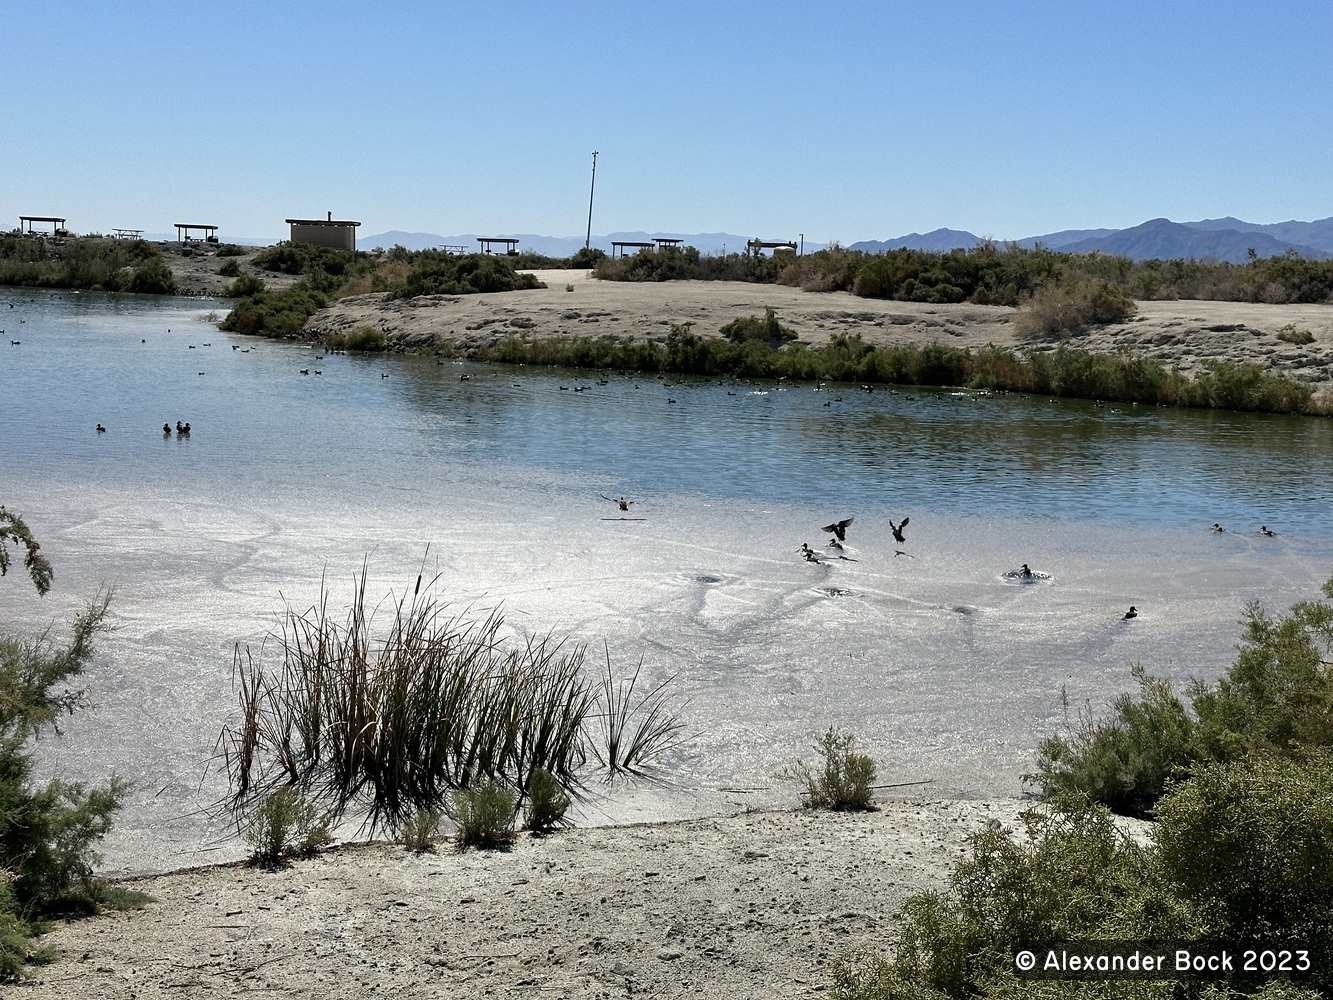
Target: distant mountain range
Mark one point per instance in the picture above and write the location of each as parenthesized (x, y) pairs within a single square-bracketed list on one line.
[(1219, 239), (1226, 239)]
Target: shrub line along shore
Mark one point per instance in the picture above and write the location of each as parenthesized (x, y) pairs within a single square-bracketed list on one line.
[(1256, 336)]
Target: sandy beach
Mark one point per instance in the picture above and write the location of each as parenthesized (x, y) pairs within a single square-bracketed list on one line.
[(1182, 333), (756, 904)]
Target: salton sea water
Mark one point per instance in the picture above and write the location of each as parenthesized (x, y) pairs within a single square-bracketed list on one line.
[(947, 670)]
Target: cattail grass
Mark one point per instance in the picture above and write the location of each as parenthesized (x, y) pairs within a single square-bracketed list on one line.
[(634, 734), (389, 725)]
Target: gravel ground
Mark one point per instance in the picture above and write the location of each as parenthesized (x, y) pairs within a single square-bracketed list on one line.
[(756, 904)]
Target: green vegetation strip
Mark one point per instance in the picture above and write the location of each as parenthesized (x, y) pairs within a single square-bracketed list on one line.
[(757, 351), (91, 262)]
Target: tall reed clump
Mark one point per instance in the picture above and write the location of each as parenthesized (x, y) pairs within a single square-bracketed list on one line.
[(391, 724)]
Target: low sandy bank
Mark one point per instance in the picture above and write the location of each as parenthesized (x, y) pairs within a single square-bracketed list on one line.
[(1182, 333), (755, 904)]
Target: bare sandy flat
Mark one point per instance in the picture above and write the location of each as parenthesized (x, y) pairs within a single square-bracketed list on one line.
[(756, 904), (1183, 333)]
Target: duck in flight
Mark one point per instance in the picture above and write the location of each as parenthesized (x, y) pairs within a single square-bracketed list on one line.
[(898, 530), (622, 503), (839, 529), (1133, 612)]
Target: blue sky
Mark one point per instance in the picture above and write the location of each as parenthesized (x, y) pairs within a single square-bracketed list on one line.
[(843, 121)]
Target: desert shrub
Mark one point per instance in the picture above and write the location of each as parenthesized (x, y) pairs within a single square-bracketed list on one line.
[(283, 825), (587, 257), (686, 263), (547, 802), (47, 833), (246, 284), (1250, 844), (1069, 877), (301, 258), (420, 830), (230, 269), (273, 314), (843, 781), (1279, 691), (484, 815), (1291, 335), (1233, 385), (389, 721), (363, 338), (752, 328), (230, 250), (1123, 762), (1276, 697), (434, 273), (1065, 309)]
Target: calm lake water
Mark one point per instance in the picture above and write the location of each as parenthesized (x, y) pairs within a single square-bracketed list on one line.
[(949, 671)]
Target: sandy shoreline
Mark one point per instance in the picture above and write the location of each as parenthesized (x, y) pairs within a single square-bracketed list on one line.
[(755, 904), (1182, 333)]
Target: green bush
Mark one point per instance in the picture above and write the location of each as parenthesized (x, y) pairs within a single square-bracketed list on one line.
[(765, 331), (1249, 844), (1123, 762), (85, 262), (274, 314), (47, 833), (844, 780), (420, 830), (484, 815), (363, 338), (1291, 335), (1277, 697), (547, 802), (231, 269), (1061, 310), (587, 257), (434, 273), (230, 250), (246, 284), (285, 824)]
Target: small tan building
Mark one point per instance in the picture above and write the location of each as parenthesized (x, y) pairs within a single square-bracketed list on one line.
[(336, 233)]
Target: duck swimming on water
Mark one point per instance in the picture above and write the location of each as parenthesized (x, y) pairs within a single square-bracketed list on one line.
[(1133, 612), (810, 554)]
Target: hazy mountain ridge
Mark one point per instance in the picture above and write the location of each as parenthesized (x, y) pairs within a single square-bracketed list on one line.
[(1225, 239), (1221, 239)]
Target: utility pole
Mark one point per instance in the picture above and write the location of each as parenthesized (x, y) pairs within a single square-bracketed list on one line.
[(588, 241), (803, 244)]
